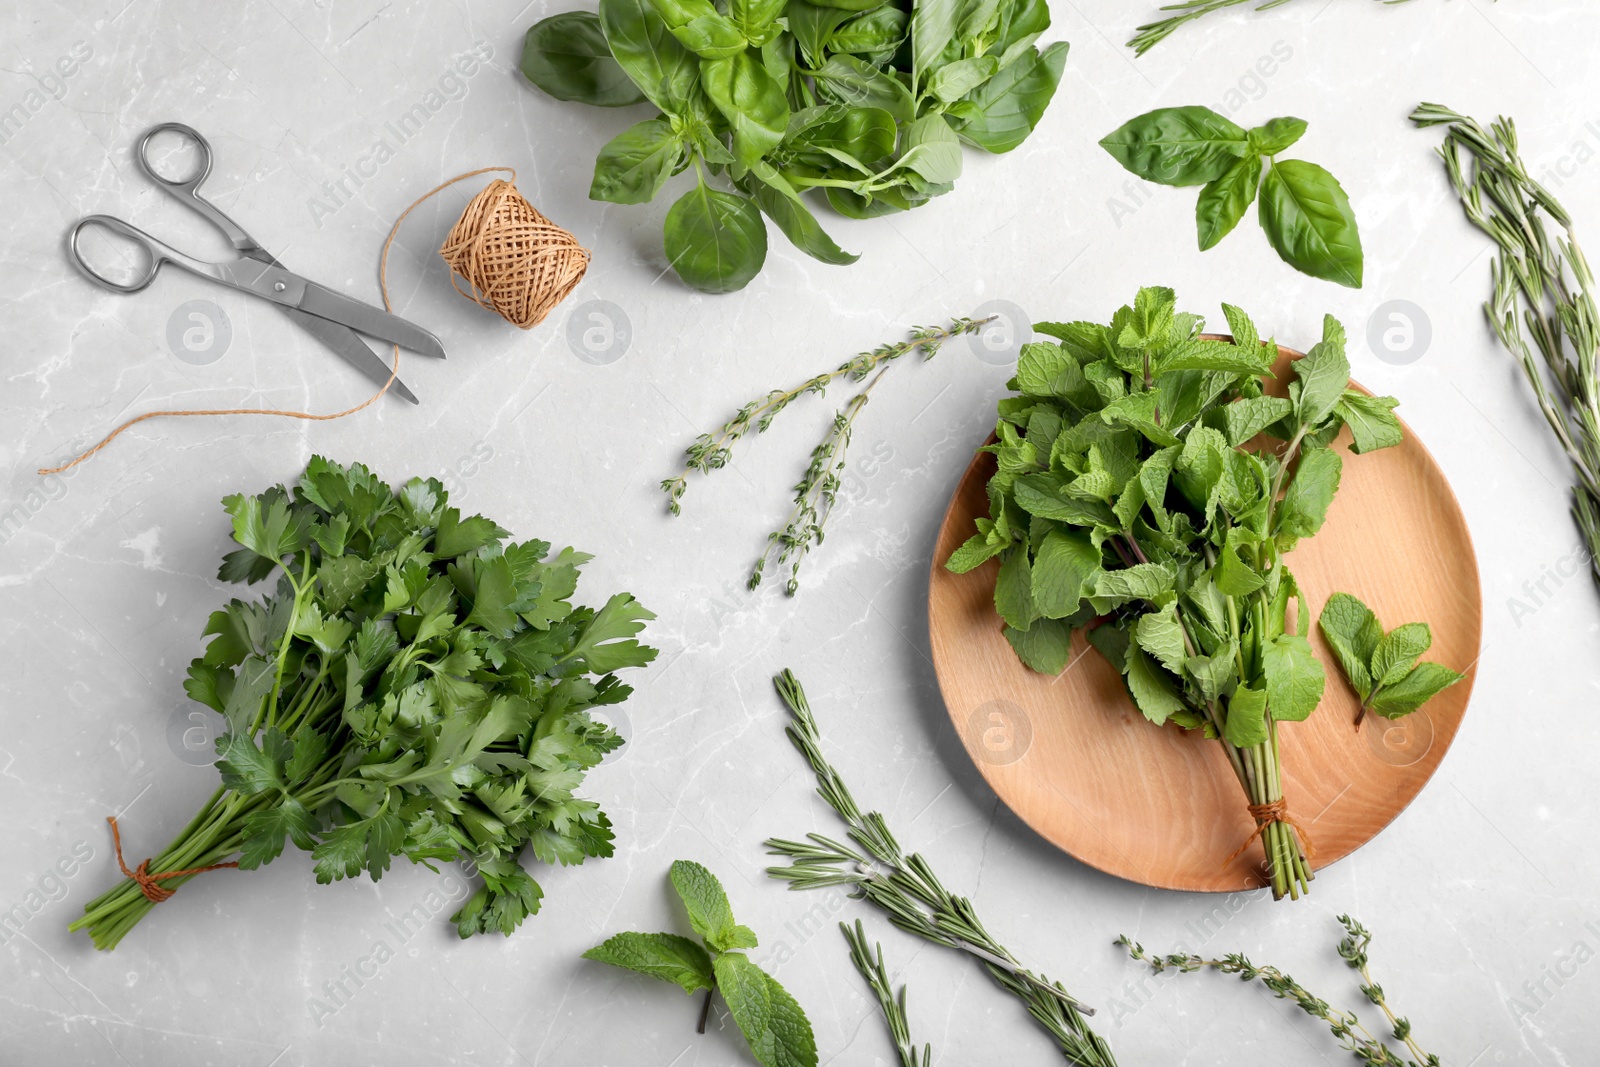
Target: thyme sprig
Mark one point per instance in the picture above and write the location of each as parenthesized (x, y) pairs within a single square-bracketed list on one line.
[(1153, 33), (869, 964), (817, 490), (1344, 1025), (905, 888), (1543, 290)]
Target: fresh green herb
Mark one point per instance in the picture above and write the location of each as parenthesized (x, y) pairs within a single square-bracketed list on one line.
[(1126, 503), (905, 889), (418, 686), (869, 964), (769, 99), (1543, 290), (1153, 33), (1382, 667), (1302, 207), (1354, 1037), (771, 1020), (819, 486)]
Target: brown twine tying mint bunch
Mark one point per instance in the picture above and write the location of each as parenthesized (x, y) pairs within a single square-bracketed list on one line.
[(1265, 815), (516, 262), (149, 884)]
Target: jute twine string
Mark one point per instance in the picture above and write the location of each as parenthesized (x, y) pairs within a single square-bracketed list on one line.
[(1265, 815), (148, 883), (516, 261)]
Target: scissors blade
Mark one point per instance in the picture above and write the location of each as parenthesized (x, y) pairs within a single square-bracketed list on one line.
[(348, 346), (364, 318)]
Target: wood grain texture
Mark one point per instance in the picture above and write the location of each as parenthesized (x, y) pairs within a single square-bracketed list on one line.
[(1074, 759)]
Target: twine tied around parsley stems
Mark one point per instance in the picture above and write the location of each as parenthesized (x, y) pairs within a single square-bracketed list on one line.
[(149, 884), (1267, 814), (517, 263)]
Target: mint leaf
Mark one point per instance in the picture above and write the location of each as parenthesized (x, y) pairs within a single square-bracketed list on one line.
[(1398, 651), (1353, 633), (1246, 724), (1322, 375), (1045, 646), (1161, 634), (1013, 591), (1065, 564), (1424, 682), (707, 904), (1243, 419), (1295, 678), (1305, 503), (772, 1022), (667, 956), (1371, 419), (1154, 691)]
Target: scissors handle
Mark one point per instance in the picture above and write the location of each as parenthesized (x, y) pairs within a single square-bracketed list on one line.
[(156, 252), (187, 190)]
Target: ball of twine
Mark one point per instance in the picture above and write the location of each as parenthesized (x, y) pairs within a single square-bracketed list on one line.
[(514, 260)]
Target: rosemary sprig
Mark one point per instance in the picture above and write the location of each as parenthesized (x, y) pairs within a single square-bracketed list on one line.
[(1344, 1025), (818, 488), (905, 888), (869, 963), (1153, 33), (1543, 289)]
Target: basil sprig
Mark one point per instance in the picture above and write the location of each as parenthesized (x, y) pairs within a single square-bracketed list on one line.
[(768, 99), (1302, 207)]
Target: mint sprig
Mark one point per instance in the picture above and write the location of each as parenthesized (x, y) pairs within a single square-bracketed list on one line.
[(1382, 667), (772, 1021)]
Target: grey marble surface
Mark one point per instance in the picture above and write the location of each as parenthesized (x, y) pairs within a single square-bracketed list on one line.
[(1483, 893)]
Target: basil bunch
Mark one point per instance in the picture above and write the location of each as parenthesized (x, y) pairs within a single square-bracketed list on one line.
[(1303, 209), (866, 100)]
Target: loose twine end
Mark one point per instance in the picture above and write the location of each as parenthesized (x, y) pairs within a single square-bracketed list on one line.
[(1265, 815), (149, 884), (516, 262)]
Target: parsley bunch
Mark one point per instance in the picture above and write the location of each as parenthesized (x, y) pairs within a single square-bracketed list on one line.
[(1128, 503), (417, 686)]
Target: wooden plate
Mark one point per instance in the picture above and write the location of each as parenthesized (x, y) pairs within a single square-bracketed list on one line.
[(1074, 759)]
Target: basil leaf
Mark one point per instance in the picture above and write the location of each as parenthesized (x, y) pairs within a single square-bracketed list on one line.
[(779, 202), (854, 205), (848, 5), (756, 19), (566, 55), (954, 80), (865, 134), (933, 27), (636, 163), (1178, 145), (932, 149), (716, 241), (1308, 220), (851, 81), (1224, 200), (1001, 113), (701, 28), (878, 30), (1273, 137), (812, 26), (752, 101), (662, 68)]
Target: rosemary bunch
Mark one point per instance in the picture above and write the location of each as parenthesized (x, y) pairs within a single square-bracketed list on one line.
[(1344, 1025), (817, 490), (905, 888), (1543, 293), (869, 964), (1153, 33)]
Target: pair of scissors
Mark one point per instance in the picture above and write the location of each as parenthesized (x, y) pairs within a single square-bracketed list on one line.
[(332, 318)]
